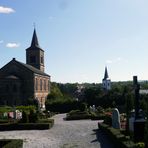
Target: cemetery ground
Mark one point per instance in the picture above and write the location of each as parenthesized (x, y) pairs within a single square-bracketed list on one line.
[(64, 134)]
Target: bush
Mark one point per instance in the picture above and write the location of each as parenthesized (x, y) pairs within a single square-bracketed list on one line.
[(33, 117), (65, 106), (11, 143), (116, 137), (4, 121), (25, 118), (77, 115), (26, 126), (140, 145), (108, 120), (95, 116), (27, 109), (46, 121)]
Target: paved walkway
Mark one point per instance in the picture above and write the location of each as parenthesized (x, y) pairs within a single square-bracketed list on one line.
[(64, 134)]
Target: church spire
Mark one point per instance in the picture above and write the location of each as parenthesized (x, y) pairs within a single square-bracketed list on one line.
[(35, 54), (34, 42), (106, 82), (106, 74)]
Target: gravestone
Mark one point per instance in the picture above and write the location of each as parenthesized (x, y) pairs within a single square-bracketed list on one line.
[(116, 119), (132, 120)]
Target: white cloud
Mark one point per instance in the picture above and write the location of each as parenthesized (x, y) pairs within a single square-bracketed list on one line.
[(6, 10), (12, 45), (1, 41)]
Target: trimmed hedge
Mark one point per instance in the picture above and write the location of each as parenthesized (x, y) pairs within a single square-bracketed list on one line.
[(27, 126), (116, 137), (11, 143), (77, 115)]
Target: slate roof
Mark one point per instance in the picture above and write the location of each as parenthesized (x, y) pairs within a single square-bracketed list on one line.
[(33, 69), (34, 43), (105, 74)]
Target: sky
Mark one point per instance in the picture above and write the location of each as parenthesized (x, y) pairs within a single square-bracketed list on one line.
[(79, 37)]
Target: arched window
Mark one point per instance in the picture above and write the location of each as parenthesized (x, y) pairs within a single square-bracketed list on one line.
[(41, 84), (42, 59), (44, 84), (36, 84), (48, 85)]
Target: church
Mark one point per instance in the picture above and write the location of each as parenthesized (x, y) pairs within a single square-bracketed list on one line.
[(20, 81), (106, 82)]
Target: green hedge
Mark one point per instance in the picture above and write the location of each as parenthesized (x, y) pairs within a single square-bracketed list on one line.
[(26, 126), (116, 137), (11, 143), (78, 115), (64, 106)]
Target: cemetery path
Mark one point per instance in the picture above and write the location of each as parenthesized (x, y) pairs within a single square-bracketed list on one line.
[(64, 134)]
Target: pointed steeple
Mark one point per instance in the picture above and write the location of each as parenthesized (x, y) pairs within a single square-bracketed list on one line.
[(35, 54), (106, 82), (34, 42), (106, 74)]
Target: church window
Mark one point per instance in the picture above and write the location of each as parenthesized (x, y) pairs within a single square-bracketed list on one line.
[(48, 85), (36, 85), (32, 59), (40, 84), (44, 84), (42, 59)]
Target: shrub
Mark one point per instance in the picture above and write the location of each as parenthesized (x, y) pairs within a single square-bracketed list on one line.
[(116, 137), (108, 120), (140, 145), (33, 117), (25, 118), (77, 115), (95, 116), (83, 106), (46, 121), (65, 106), (26, 126), (27, 109), (11, 143)]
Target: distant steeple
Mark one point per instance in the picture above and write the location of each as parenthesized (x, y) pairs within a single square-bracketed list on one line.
[(34, 42), (106, 82), (106, 74)]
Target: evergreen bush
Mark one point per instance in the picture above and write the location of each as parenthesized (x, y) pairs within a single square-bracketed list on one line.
[(33, 116), (25, 118)]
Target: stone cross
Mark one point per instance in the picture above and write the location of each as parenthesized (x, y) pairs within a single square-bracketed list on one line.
[(136, 89)]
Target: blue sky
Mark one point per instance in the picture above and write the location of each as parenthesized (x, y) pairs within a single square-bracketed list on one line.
[(80, 37)]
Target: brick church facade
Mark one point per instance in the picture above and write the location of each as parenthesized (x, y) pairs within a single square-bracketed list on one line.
[(19, 81)]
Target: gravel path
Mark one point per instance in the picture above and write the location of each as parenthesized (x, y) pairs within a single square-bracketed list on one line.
[(64, 134)]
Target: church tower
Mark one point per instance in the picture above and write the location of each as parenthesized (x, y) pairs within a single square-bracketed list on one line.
[(106, 82), (34, 54)]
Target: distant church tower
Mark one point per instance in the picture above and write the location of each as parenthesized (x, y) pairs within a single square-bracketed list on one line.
[(106, 82), (34, 54)]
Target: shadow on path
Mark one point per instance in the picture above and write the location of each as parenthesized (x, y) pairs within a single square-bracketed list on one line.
[(102, 138)]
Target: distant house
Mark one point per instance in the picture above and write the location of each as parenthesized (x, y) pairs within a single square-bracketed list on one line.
[(19, 81), (106, 82)]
